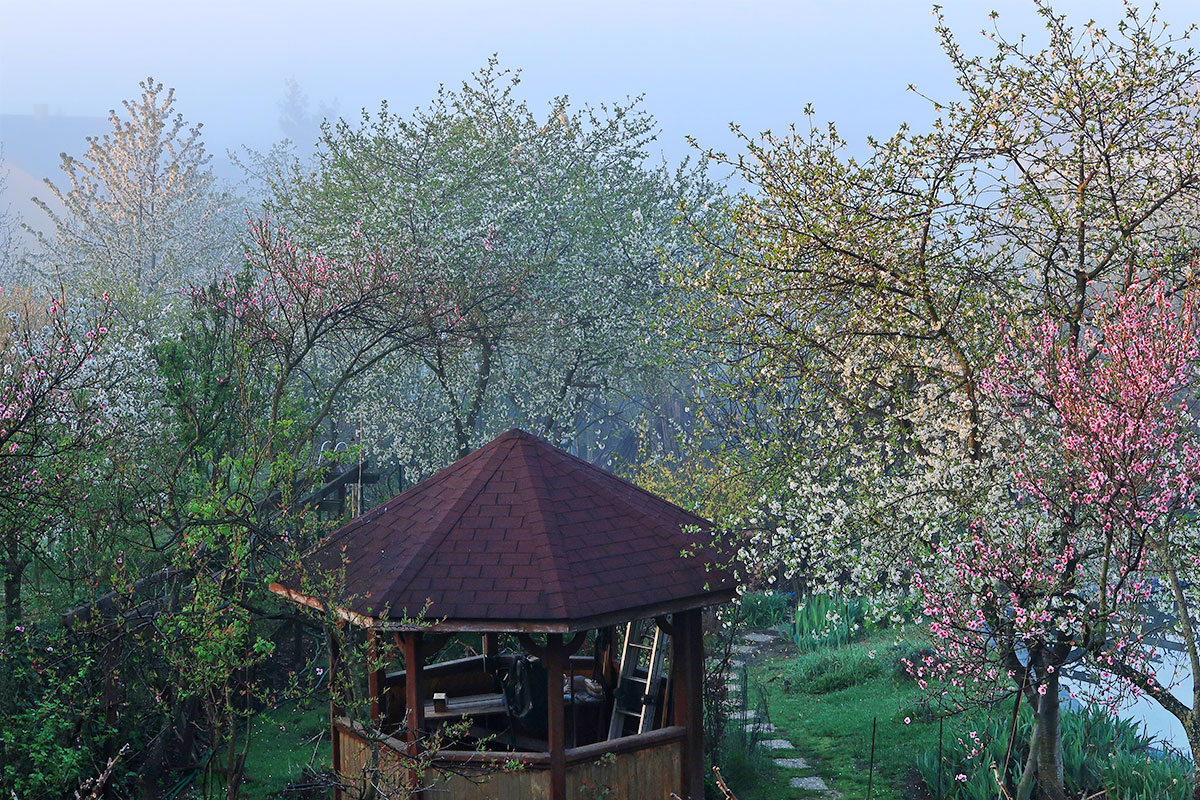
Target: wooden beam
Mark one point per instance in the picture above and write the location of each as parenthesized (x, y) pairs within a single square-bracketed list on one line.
[(335, 664), (554, 655), (688, 680), (307, 600), (414, 696), (553, 641), (553, 626)]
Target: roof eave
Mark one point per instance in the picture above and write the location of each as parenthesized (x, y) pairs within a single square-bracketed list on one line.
[(617, 617), (703, 600)]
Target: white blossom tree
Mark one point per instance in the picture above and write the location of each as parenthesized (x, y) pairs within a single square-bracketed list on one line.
[(141, 211), (548, 231), (10, 249)]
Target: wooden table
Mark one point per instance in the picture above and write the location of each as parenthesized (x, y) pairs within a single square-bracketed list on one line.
[(470, 705)]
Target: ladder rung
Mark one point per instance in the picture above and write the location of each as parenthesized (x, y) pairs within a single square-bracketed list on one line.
[(647, 639)]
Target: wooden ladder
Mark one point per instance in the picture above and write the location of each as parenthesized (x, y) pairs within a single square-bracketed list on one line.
[(636, 693)]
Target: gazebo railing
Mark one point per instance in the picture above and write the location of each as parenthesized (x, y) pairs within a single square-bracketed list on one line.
[(638, 765)]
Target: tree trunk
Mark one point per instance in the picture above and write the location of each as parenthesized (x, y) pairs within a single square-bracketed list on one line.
[(1049, 745), (1193, 736), (152, 765), (12, 601), (1029, 773)]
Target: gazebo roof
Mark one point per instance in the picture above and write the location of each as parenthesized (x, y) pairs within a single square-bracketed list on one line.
[(518, 536)]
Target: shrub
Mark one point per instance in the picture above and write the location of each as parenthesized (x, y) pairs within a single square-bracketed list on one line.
[(825, 671), (765, 609)]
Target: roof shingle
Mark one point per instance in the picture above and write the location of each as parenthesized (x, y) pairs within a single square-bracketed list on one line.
[(519, 531)]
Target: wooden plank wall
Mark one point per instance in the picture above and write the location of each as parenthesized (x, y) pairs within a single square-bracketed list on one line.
[(527, 784), (649, 774), (355, 760)]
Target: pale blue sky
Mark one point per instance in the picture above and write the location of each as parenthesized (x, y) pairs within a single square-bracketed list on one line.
[(700, 64)]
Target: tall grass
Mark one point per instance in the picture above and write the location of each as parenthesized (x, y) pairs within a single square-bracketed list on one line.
[(1100, 753), (822, 621), (744, 764)]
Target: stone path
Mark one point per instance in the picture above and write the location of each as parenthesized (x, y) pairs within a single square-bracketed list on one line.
[(789, 765)]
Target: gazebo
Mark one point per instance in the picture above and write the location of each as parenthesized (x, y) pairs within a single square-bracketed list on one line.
[(582, 574)]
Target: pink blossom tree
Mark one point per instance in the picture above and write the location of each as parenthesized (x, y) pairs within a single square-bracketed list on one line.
[(1121, 406), (1100, 539), (47, 415)]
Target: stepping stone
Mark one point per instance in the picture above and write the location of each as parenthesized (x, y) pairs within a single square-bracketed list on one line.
[(776, 744), (760, 727), (743, 649), (745, 713), (813, 784), (761, 638), (791, 763), (737, 663)]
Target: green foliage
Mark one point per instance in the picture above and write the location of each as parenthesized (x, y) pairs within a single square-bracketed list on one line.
[(743, 761), (48, 707), (764, 609), (285, 742), (745, 764), (836, 725), (856, 309), (829, 670), (825, 621), (1100, 753), (834, 729)]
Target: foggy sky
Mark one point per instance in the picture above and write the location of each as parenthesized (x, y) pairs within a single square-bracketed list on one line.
[(700, 64)]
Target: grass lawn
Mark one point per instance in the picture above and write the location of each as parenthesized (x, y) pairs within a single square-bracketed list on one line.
[(283, 743), (824, 704)]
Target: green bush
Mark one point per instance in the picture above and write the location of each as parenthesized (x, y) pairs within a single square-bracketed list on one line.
[(1100, 753), (45, 746), (765, 609), (823, 621), (824, 671)]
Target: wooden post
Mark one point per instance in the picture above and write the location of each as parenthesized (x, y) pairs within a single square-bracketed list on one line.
[(555, 655), (688, 698), (335, 665), (555, 729), (491, 644), (414, 700), (414, 695)]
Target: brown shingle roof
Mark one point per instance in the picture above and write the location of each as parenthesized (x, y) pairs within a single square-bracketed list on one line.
[(520, 532)]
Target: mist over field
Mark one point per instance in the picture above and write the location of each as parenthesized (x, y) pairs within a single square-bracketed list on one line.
[(700, 65)]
